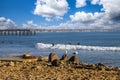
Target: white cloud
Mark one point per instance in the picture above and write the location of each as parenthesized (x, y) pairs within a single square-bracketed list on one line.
[(30, 22), (95, 2), (83, 17), (76, 25), (29, 25), (80, 3), (48, 19), (7, 23), (51, 8), (109, 18), (111, 8)]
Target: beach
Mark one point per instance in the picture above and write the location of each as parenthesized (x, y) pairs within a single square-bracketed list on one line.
[(17, 68), (60, 40), (98, 55)]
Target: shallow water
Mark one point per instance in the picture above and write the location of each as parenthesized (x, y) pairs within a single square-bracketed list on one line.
[(18, 45)]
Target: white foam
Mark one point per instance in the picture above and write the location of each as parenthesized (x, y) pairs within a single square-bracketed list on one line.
[(75, 47)]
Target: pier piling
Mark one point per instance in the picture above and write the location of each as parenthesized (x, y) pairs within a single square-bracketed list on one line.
[(17, 32)]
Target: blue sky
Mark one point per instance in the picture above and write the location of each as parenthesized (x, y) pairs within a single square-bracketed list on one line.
[(67, 14)]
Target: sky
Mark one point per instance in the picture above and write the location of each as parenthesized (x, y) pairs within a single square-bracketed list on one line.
[(60, 14)]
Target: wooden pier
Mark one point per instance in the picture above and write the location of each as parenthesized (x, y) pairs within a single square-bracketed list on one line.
[(17, 32)]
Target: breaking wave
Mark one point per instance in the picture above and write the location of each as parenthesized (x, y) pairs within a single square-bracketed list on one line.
[(75, 47)]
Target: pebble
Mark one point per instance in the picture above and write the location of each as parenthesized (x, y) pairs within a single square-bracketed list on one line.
[(41, 71), (10, 64)]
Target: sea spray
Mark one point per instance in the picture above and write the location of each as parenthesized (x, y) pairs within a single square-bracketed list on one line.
[(75, 47)]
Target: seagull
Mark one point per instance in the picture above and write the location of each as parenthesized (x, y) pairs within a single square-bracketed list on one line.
[(66, 52), (75, 52)]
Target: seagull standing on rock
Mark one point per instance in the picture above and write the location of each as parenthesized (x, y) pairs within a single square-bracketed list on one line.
[(66, 52), (75, 53)]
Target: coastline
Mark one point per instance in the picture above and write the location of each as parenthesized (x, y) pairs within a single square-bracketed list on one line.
[(39, 68)]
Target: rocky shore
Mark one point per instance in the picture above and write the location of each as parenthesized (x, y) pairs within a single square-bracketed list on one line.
[(29, 67)]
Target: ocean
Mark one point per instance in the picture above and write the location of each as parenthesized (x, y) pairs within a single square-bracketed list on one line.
[(92, 47)]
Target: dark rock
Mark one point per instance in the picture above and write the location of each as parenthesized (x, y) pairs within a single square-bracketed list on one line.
[(69, 43), (65, 57), (29, 58), (74, 59), (52, 56), (10, 64), (101, 66), (79, 66), (78, 43), (56, 62), (89, 66), (26, 55)]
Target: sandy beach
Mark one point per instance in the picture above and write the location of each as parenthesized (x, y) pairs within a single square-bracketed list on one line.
[(17, 68)]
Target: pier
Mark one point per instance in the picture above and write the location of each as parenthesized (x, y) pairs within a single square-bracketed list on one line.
[(17, 32)]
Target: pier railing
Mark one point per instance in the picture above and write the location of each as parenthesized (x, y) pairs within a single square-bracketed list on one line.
[(17, 32)]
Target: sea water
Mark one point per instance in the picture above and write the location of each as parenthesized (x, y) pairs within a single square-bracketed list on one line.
[(92, 47)]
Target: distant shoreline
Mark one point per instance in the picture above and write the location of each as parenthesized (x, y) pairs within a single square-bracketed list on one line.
[(64, 30), (77, 30)]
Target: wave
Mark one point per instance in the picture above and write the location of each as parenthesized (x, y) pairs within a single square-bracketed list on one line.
[(75, 47)]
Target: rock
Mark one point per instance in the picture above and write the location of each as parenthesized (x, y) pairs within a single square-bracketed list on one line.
[(116, 69), (65, 57), (78, 43), (74, 59), (30, 60), (26, 55), (101, 66), (89, 66), (109, 68), (43, 58), (11, 64), (52, 56), (85, 78), (56, 62), (37, 67)]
